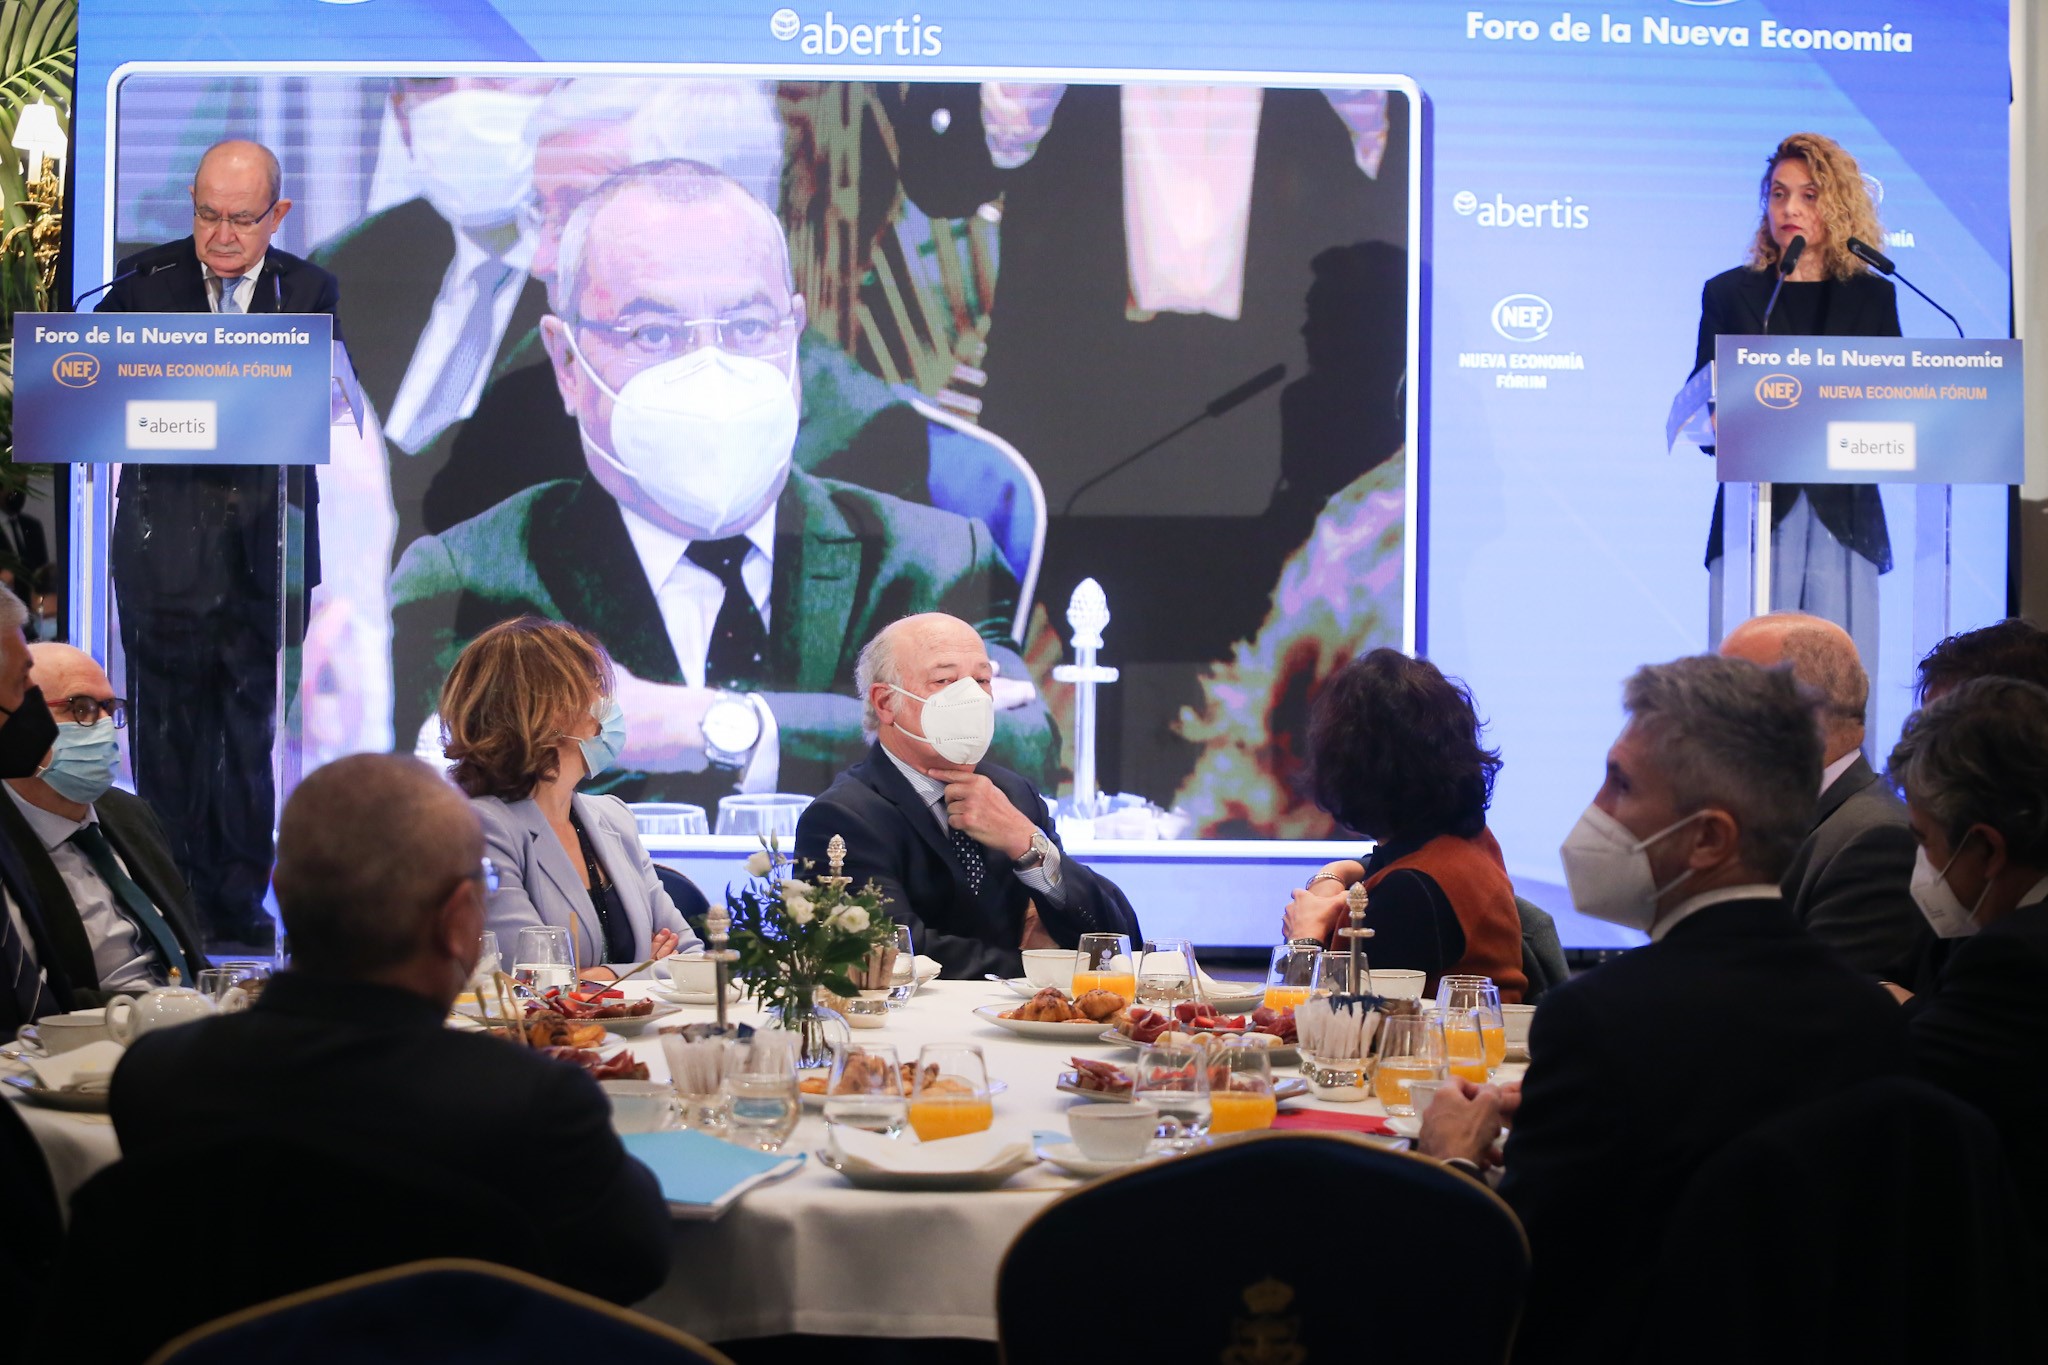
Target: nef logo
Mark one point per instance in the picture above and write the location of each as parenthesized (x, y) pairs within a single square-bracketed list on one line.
[(910, 37), (1778, 391), (76, 370), (1522, 317)]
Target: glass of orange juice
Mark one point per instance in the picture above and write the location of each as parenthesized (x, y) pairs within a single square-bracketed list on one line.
[(1291, 975), (1465, 1045), (1240, 1090), (950, 1094), (1102, 962), (1410, 1048), (1458, 994)]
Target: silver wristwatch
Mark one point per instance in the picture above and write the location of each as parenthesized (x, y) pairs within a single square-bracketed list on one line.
[(732, 731), (1035, 856)]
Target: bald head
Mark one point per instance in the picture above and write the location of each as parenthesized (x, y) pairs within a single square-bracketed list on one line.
[(1823, 657), (369, 851), (919, 654), (237, 204), (67, 671)]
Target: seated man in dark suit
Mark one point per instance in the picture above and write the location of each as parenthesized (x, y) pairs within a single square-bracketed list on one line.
[(115, 912), (1847, 882), (381, 881), (1649, 1064), (1974, 767), (964, 850)]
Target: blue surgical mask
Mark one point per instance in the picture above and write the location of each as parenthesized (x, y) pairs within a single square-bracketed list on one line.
[(601, 750), (82, 761)]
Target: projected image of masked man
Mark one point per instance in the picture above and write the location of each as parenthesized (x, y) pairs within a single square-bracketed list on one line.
[(732, 590), (1828, 541)]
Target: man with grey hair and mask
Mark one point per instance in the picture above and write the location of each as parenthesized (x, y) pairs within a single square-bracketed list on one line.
[(964, 849), (731, 589), (1649, 1064)]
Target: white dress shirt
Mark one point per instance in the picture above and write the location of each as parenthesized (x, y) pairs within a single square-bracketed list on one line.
[(245, 287), (435, 350), (1833, 772), (1044, 879), (123, 953), (1756, 891)]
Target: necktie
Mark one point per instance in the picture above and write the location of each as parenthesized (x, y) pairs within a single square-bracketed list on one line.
[(24, 980), (739, 640), (971, 854), (131, 898), (228, 302), (473, 347)]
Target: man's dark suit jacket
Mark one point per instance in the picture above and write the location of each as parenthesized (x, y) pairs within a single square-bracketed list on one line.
[(160, 554), (848, 561), (1848, 882), (1978, 1035), (352, 1064), (131, 827), (892, 837), (1864, 305), (1648, 1065)]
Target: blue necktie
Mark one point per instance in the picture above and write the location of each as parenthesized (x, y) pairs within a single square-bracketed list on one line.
[(227, 293), (133, 900), (969, 852)]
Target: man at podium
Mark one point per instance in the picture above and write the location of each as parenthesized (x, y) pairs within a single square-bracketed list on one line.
[(1828, 541), (196, 557)]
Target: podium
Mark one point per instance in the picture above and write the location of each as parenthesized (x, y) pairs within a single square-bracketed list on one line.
[(1805, 410)]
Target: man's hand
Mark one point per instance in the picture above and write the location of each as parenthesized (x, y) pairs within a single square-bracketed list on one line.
[(1035, 935), (1899, 993), (1315, 912), (973, 804), (664, 724), (1463, 1120)]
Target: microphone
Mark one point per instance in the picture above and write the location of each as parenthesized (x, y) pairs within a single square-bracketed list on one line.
[(1215, 407), (128, 274), (1882, 264), (1793, 250)]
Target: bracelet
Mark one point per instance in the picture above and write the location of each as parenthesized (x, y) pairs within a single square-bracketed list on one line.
[(1310, 884)]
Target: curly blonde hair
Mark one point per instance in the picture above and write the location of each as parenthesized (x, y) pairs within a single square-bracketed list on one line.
[(508, 697), (1845, 206)]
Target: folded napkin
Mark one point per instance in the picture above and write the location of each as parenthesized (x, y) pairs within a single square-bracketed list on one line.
[(1331, 1122), (91, 1065), (927, 968), (947, 1156), (1228, 990), (700, 1176)]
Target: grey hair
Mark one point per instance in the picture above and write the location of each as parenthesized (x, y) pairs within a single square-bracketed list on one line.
[(1729, 735), (673, 182), (1826, 662), (876, 664), (274, 174), (724, 123), (13, 611), (1979, 756)]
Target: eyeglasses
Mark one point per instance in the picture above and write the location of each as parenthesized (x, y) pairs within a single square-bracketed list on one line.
[(240, 222), (487, 873), (650, 338), (87, 710)]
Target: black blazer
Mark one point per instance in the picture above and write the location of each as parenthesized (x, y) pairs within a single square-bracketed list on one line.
[(1864, 305), (347, 1062), (132, 828), (15, 881), (892, 837), (1645, 1067), (1848, 882), (192, 537)]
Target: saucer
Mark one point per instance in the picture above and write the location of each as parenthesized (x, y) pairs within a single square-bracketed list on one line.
[(1069, 1158)]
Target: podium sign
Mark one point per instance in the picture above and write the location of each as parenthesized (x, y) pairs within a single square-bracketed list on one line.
[(1868, 410), (172, 388)]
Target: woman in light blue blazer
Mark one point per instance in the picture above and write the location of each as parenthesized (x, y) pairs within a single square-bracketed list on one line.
[(530, 714)]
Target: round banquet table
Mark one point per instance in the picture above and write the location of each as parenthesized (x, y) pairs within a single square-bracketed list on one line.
[(810, 1254)]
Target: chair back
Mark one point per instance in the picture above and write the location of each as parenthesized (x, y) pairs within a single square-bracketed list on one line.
[(976, 473), (1877, 1224), (1543, 961), (1305, 1246), (438, 1312), (34, 1220), (272, 1215), (689, 899)]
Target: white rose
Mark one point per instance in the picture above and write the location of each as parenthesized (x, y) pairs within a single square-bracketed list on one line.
[(853, 919), (793, 887), (757, 864), (798, 909)]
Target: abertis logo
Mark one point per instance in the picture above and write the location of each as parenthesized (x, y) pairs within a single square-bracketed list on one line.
[(830, 37)]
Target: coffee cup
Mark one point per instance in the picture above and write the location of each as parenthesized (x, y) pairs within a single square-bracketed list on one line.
[(1398, 983), (55, 1033), (639, 1106), (1047, 967), (1113, 1132), (691, 975)]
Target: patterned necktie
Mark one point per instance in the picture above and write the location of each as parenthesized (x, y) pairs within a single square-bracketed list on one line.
[(228, 302), (739, 639), (970, 852), (133, 900), (473, 347), (24, 980)]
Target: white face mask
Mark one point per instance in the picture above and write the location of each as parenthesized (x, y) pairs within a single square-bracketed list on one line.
[(959, 721), (1608, 869), (706, 436), (1939, 905), (471, 156)]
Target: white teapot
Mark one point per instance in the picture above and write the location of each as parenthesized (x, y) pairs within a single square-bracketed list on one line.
[(128, 1017)]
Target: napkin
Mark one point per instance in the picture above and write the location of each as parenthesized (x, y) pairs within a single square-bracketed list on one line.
[(927, 968), (948, 1156), (91, 1065), (700, 1176), (1227, 990), (1329, 1122)]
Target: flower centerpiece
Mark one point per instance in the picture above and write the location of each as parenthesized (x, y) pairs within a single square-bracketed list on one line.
[(794, 936)]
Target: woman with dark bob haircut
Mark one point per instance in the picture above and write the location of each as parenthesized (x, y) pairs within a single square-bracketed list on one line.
[(1395, 755)]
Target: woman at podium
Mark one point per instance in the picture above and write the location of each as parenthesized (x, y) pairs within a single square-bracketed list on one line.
[(1828, 541)]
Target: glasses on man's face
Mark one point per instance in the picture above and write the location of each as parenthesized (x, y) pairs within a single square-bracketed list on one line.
[(646, 339), (487, 873), (240, 222), (87, 710)]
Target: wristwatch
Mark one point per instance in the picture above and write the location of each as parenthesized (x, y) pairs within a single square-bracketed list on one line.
[(732, 728), (1035, 856)]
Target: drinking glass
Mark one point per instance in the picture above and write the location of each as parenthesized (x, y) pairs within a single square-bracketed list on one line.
[(1176, 1081), (1457, 995), (950, 1093), (1166, 975), (542, 959), (223, 986), (1331, 975), (487, 959), (698, 1057), (865, 1089), (762, 813), (903, 983), (1465, 1045), (1291, 975), (764, 1104), (1240, 1090), (1410, 1048), (1102, 962), (668, 819), (256, 974)]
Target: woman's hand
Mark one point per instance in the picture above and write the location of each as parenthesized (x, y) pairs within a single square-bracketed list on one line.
[(662, 944), (1314, 913)]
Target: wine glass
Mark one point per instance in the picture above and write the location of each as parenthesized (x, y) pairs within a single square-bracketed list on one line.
[(1102, 962), (1290, 975), (950, 1094), (1175, 1080), (759, 814), (1410, 1048), (1240, 1090), (1166, 975), (865, 1089), (765, 1103), (542, 959), (1457, 995), (903, 980)]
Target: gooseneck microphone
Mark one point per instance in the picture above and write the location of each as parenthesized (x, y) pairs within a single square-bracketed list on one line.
[(1786, 264), (1215, 407), (1882, 264), (147, 269)]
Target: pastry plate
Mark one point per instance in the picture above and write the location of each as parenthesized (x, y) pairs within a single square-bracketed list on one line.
[(816, 1099), (1282, 1054), (1082, 1031)]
